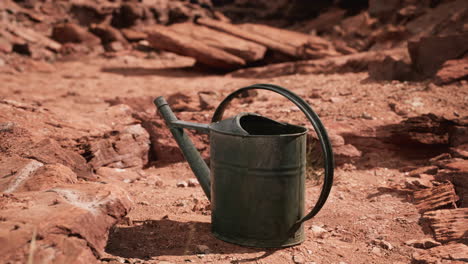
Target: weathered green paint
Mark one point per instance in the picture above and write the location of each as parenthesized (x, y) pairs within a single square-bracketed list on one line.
[(257, 172), (257, 188)]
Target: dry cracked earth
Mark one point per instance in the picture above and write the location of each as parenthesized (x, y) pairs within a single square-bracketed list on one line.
[(99, 178)]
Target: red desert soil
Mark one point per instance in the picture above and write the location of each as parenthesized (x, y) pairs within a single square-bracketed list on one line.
[(367, 218)]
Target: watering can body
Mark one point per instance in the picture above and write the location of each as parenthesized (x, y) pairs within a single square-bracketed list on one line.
[(256, 179), (257, 186)]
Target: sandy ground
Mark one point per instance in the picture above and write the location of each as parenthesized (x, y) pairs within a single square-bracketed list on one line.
[(169, 223)]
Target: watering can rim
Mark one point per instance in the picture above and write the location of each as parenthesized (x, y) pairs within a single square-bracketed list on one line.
[(236, 118)]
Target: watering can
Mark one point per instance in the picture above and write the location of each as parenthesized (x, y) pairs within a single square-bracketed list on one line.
[(256, 178)]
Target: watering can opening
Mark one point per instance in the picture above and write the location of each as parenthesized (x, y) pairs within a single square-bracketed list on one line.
[(254, 125), (261, 126)]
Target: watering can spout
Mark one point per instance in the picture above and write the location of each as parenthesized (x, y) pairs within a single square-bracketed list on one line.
[(191, 154)]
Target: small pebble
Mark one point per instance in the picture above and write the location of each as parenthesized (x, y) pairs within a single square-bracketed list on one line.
[(383, 244), (298, 259), (367, 116), (376, 251), (154, 180), (182, 184), (193, 183), (318, 231), (202, 249)]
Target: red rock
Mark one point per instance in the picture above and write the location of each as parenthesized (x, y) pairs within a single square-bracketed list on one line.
[(34, 37), (452, 253), (48, 151), (460, 151), (357, 62), (128, 15), (247, 50), (422, 182), (436, 20), (208, 100), (114, 46), (71, 223), (120, 149), (107, 34), (460, 166), (5, 45), (166, 39), (383, 9), (306, 46), (133, 35), (451, 71), (429, 53), (423, 170), (390, 68), (325, 21), (72, 33), (435, 197), (277, 45), (423, 243), (32, 175), (448, 224), (458, 135)]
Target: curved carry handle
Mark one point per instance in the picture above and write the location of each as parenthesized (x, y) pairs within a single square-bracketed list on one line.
[(319, 129)]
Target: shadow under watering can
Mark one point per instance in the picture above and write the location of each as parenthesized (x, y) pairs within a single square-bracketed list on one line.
[(256, 178)]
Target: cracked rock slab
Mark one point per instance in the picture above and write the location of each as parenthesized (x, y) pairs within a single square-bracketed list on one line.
[(70, 222)]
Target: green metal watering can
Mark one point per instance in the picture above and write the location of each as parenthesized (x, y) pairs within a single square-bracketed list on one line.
[(256, 179)]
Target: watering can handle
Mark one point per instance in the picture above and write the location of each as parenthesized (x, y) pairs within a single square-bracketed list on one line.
[(319, 129)]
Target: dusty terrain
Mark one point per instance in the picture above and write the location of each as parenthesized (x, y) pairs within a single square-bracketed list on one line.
[(367, 219), (89, 172)]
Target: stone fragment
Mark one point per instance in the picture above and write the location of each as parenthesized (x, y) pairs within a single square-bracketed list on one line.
[(114, 46), (460, 151), (422, 182), (383, 9), (118, 173), (193, 183), (448, 224), (425, 243), (432, 170), (357, 62), (208, 100), (298, 259), (47, 177), (133, 35), (154, 180), (247, 50), (458, 135), (376, 251), (164, 38), (451, 253), (203, 249), (390, 68), (48, 151), (383, 244), (318, 231), (435, 197), (123, 148), (423, 51), (107, 34), (182, 184), (451, 71), (72, 33)]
